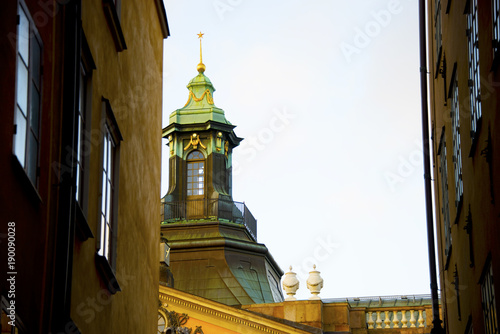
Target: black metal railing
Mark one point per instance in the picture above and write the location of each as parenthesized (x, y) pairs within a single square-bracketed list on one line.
[(236, 212)]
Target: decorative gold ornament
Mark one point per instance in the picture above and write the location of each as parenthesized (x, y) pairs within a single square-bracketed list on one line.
[(218, 141), (226, 148), (171, 144), (195, 141), (176, 322), (201, 67), (210, 100)]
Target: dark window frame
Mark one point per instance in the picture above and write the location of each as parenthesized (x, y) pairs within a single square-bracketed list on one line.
[(456, 142), (22, 146), (84, 119), (495, 24), (473, 63), (112, 10), (488, 305), (445, 206), (110, 166), (82, 160)]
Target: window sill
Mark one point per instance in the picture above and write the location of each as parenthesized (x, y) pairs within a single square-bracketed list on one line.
[(448, 257), (107, 274), (438, 62), (475, 138), (114, 24), (459, 210), (25, 181), (83, 231)]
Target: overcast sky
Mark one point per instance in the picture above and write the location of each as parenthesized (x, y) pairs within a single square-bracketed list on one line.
[(327, 97)]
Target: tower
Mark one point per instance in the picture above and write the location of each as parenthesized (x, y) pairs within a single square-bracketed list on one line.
[(213, 239)]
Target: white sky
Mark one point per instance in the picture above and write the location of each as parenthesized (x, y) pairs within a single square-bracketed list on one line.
[(327, 97)]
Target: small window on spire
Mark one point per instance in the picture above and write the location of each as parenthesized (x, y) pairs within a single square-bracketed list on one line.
[(195, 174)]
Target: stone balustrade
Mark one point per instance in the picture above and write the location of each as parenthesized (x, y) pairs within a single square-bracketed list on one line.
[(395, 318)]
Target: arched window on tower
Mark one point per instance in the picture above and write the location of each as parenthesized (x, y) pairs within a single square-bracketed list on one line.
[(195, 174)]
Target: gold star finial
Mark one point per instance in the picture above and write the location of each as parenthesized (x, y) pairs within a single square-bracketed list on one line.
[(201, 66)]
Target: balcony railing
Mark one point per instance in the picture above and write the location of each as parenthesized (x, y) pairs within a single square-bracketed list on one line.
[(196, 209), (396, 318)]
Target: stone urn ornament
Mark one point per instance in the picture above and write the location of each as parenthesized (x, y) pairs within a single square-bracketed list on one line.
[(290, 284), (314, 283)]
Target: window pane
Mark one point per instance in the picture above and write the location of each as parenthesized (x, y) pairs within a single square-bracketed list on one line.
[(105, 154), (195, 165), (20, 137), (35, 110), (78, 174), (22, 86), (190, 192), (101, 243), (24, 35), (190, 179), (36, 60), (195, 192), (190, 172), (79, 139), (195, 155), (106, 242), (104, 192), (32, 157), (190, 166), (108, 204)]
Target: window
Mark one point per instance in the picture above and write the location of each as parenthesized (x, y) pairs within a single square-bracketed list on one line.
[(195, 174), (469, 329), (445, 208), (457, 155), (83, 120), (28, 95), (474, 77), (437, 30), (488, 297), (162, 324), (496, 25), (108, 191), (109, 187), (112, 13)]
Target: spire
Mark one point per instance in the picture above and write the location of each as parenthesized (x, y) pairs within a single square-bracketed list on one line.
[(201, 66), (199, 107)]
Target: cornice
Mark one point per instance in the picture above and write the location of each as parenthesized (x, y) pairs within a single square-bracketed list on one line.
[(224, 313)]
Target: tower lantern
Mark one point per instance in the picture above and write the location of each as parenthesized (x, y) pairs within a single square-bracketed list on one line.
[(213, 239)]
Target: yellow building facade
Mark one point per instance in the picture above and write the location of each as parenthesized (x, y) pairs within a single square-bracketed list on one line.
[(80, 152), (463, 57)]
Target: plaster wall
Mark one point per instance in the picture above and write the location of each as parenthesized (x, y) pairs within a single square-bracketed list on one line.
[(132, 81), (471, 251)]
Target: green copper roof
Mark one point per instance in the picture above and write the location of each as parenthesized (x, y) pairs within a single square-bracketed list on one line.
[(200, 106)]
